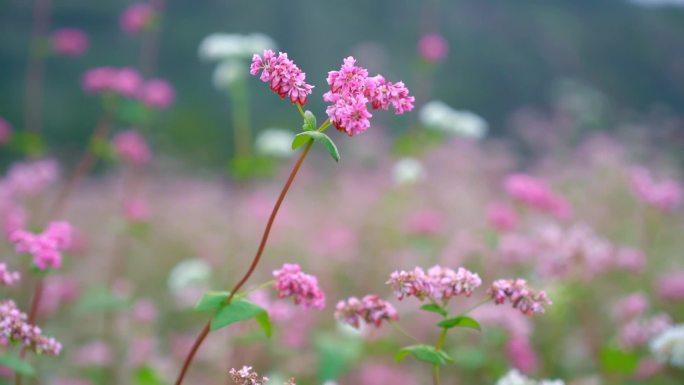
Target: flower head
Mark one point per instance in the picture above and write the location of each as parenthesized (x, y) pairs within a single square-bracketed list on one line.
[(136, 17), (132, 148), (5, 131), (47, 247), (156, 93), (520, 295), (292, 282), (446, 283), (370, 309), (7, 277), (410, 283), (665, 195), (247, 376), (123, 81), (668, 346), (283, 76), (536, 193), (15, 328), (502, 217), (433, 47), (69, 42)]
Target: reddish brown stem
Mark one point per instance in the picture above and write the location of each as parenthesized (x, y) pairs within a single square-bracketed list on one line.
[(252, 267), (32, 317)]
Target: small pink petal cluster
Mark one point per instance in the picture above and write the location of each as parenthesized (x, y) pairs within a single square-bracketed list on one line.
[(136, 209), (639, 331), (14, 328), (136, 17), (425, 222), (132, 148), (502, 217), (47, 247), (292, 282), (31, 178), (127, 82), (283, 76), (156, 93), (537, 194), (665, 195), (351, 89), (670, 286), (439, 283), (69, 42), (5, 131), (521, 354), (246, 376), (7, 277), (520, 295), (630, 307), (433, 47), (370, 309)]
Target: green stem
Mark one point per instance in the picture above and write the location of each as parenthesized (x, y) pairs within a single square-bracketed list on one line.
[(299, 107), (438, 347), (263, 285), (324, 126), (403, 331), (484, 301)]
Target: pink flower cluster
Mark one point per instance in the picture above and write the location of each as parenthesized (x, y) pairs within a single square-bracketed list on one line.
[(247, 376), (433, 47), (47, 247), (537, 194), (351, 89), (639, 331), (31, 178), (670, 286), (665, 195), (283, 76), (292, 282), (136, 17), (439, 283), (14, 328), (502, 217), (69, 42), (370, 309), (127, 82), (132, 148), (5, 131), (520, 295), (7, 277)]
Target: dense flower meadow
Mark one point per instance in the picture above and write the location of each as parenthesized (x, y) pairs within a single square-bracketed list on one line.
[(421, 251)]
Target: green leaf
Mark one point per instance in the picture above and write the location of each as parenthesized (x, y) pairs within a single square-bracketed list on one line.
[(425, 353), (239, 309), (461, 321), (614, 360), (434, 308), (17, 364), (300, 139), (304, 137), (309, 121), (211, 300), (146, 375)]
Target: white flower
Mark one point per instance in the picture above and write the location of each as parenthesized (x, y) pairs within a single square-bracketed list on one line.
[(514, 377), (223, 46), (275, 142), (408, 171), (228, 72), (439, 116), (668, 346), (187, 274)]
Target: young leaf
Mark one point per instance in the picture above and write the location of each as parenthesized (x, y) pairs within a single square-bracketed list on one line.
[(17, 364), (460, 321), (240, 309), (425, 353), (300, 139), (309, 121), (304, 137), (211, 300), (434, 308)]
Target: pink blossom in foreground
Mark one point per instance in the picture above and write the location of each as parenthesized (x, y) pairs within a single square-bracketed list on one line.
[(413, 283), (521, 354), (47, 247), (283, 76), (14, 328), (132, 148), (665, 195), (638, 332), (433, 47), (502, 217), (156, 93), (69, 42), (351, 89), (537, 194), (520, 295), (247, 376), (136, 17), (670, 286), (371, 309), (446, 283), (7, 277), (5, 131), (292, 282)]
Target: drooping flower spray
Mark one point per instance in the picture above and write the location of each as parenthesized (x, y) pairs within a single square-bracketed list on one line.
[(351, 93)]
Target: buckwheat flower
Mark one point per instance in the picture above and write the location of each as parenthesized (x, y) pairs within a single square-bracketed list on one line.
[(520, 295), (127, 82), (630, 307), (5, 131), (15, 329), (433, 47), (123, 81), (132, 148), (283, 76), (410, 283), (156, 93), (46, 247), (665, 195), (521, 354), (7, 277), (247, 376), (425, 222), (502, 217), (136, 209), (441, 117), (292, 282), (668, 346), (446, 283), (670, 286), (32, 177), (136, 17), (349, 114), (536, 193), (96, 353), (408, 171), (274, 142), (97, 80), (638, 332), (371, 309), (69, 42)]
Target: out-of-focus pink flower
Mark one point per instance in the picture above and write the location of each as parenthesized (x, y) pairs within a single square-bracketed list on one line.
[(136, 209), (647, 368), (515, 248), (157, 93), (69, 41), (7, 277), (292, 282), (136, 17), (141, 351), (371, 309), (630, 259), (247, 376), (638, 332), (502, 217), (96, 353), (145, 311), (47, 247), (58, 290), (31, 178), (520, 295), (132, 148), (283, 75), (433, 47), (383, 374), (630, 307), (536, 193), (127, 82), (425, 222), (521, 354), (665, 195), (279, 311), (123, 81), (670, 286), (72, 381), (5, 131)]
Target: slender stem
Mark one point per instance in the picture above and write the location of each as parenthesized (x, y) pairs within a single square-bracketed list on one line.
[(468, 310), (438, 347), (403, 331), (259, 287), (299, 107), (33, 99), (253, 265), (32, 316)]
